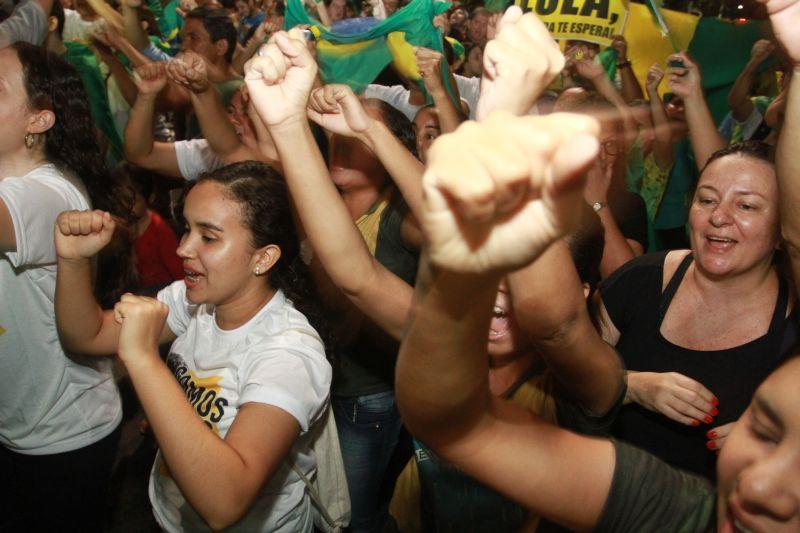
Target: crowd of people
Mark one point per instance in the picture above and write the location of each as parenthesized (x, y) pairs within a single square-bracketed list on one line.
[(521, 294)]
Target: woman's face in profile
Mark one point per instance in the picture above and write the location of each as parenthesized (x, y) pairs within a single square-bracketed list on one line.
[(758, 470)]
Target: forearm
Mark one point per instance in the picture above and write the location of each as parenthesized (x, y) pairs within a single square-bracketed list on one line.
[(616, 249), (138, 139), (607, 89), (214, 123), (662, 147), (126, 85), (79, 318), (334, 237), (132, 29), (739, 95), (449, 117), (788, 169), (243, 55), (702, 130), (550, 307), (215, 491), (631, 90), (405, 169), (442, 369)]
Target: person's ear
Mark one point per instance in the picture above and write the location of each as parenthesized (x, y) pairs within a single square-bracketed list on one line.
[(52, 24), (41, 121), (221, 47), (265, 259)]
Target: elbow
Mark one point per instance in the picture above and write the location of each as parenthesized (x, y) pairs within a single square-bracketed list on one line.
[(224, 516)]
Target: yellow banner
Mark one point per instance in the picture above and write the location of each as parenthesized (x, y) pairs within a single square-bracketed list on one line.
[(595, 21)]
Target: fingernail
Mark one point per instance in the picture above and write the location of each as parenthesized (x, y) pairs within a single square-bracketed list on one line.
[(714, 412), (711, 434), (708, 420), (714, 400), (695, 423), (711, 445)]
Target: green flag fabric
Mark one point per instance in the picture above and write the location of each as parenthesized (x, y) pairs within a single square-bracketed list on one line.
[(356, 55)]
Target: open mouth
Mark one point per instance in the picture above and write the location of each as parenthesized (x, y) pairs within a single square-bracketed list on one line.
[(191, 277), (499, 325), (719, 243)]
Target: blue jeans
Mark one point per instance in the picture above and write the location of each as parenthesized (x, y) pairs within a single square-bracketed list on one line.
[(368, 427)]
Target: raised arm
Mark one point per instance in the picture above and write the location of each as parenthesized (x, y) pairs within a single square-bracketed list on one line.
[(190, 72), (132, 28), (138, 144), (784, 16), (82, 325), (513, 75), (739, 95), (631, 90), (429, 63), (279, 83), (550, 307), (482, 221), (686, 83), (662, 147)]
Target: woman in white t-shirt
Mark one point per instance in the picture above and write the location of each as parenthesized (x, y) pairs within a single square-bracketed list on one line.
[(59, 413), (253, 368)]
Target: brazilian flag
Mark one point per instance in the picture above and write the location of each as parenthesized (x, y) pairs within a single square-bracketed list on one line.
[(354, 52)]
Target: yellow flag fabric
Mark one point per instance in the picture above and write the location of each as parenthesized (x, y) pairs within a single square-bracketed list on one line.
[(646, 44), (594, 21)]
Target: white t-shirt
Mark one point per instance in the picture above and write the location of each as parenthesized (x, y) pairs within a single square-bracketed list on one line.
[(195, 157), (49, 402), (397, 95), (28, 23), (276, 358)]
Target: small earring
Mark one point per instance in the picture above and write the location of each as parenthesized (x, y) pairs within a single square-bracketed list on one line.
[(29, 140), (258, 271)]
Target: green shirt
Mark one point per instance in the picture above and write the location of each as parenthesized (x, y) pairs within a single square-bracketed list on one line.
[(649, 495)]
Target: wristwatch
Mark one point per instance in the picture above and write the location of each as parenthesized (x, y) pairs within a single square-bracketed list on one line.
[(597, 206), (624, 64)]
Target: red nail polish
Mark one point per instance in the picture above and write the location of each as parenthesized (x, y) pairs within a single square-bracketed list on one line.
[(695, 423), (711, 445), (714, 412), (708, 420), (712, 434), (715, 401)]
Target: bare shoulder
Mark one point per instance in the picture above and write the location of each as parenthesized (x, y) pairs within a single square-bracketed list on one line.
[(671, 264)]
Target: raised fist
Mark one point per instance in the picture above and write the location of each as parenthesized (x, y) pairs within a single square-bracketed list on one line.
[(498, 193)]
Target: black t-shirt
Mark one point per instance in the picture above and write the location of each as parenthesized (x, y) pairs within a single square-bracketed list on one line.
[(633, 298), (649, 495)]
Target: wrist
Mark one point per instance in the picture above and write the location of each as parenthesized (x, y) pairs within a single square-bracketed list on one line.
[(140, 360), (74, 263), (624, 64)]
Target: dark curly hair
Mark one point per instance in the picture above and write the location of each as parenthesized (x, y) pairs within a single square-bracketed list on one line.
[(266, 211), (71, 144)]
